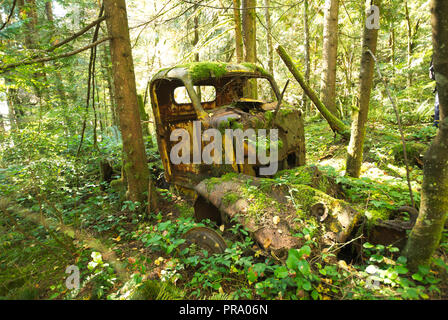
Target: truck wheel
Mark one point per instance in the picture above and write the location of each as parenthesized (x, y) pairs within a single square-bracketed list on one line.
[(206, 238)]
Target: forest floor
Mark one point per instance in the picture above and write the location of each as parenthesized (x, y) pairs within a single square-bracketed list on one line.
[(122, 254)]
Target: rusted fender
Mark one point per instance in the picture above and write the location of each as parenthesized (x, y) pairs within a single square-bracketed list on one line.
[(274, 213)]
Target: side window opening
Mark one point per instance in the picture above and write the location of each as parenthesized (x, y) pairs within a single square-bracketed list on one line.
[(205, 93)]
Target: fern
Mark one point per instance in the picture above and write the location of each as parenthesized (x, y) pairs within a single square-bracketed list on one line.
[(157, 290), (219, 296)]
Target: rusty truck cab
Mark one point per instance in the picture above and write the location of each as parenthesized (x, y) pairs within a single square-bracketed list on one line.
[(229, 102)]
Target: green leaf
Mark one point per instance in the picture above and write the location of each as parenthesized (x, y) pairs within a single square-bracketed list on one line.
[(281, 272), (252, 276), (368, 245), (402, 260), (303, 267), (424, 270), (305, 250), (293, 259), (401, 270), (417, 276), (306, 285)]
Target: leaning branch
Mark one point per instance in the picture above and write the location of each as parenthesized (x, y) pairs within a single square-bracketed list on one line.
[(9, 16), (8, 67), (77, 34), (335, 124)]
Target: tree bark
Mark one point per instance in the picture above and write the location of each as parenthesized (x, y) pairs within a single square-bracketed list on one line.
[(49, 10), (270, 50), (426, 234), (335, 124), (107, 69), (307, 52), (238, 35), (409, 51), (329, 56), (135, 160), (196, 34), (359, 117), (250, 40), (59, 83), (28, 9), (269, 47)]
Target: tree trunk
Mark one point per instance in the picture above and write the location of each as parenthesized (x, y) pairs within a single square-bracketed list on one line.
[(425, 236), (59, 84), (359, 117), (250, 41), (49, 10), (14, 121), (144, 117), (28, 10), (238, 35), (135, 160), (2, 124), (269, 47), (196, 34), (335, 124), (392, 49), (329, 56), (110, 86), (409, 51), (307, 52), (28, 13)]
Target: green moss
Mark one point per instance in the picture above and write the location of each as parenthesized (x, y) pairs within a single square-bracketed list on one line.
[(205, 70), (414, 151), (259, 202), (230, 124), (268, 115), (127, 166), (186, 211), (286, 110), (373, 214), (211, 183), (256, 68), (230, 199), (229, 176)]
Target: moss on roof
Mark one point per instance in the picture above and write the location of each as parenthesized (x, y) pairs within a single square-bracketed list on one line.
[(204, 70)]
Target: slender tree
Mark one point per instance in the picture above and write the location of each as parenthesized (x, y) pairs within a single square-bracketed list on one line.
[(196, 32), (269, 46), (135, 160), (238, 33), (359, 115), (329, 55), (306, 30), (250, 40), (426, 234)]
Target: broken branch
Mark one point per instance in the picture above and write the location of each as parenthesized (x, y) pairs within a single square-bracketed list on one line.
[(64, 55), (335, 124)]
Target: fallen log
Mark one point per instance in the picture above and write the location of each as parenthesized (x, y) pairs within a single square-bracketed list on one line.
[(273, 213)]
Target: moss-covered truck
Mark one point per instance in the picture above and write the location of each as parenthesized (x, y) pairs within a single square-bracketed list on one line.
[(218, 95)]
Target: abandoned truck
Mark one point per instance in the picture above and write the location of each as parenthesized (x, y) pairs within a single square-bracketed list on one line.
[(222, 96)]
